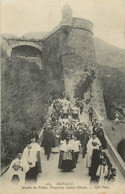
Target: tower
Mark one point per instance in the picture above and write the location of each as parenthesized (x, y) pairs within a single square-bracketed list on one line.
[(66, 15)]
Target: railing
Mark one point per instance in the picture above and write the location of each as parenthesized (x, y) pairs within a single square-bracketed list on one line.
[(5, 169), (41, 135), (113, 152)]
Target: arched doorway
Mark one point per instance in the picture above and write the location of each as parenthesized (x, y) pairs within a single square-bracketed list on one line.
[(28, 53), (25, 50)]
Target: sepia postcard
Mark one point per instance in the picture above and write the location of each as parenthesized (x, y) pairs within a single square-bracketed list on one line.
[(62, 96)]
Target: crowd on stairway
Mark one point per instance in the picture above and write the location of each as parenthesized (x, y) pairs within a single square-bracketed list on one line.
[(65, 133)]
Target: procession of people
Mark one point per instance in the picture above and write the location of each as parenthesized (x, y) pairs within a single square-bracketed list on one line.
[(65, 134)]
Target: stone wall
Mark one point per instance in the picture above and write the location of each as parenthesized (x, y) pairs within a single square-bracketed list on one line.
[(82, 23), (77, 54), (52, 63), (97, 100), (5, 46)]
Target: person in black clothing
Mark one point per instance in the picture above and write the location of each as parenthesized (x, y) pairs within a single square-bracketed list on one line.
[(67, 157), (63, 134), (68, 97), (112, 175), (96, 160), (54, 117), (48, 142), (90, 114), (50, 101), (81, 106), (77, 103), (94, 121), (34, 134), (84, 138), (77, 134), (100, 134), (97, 157)]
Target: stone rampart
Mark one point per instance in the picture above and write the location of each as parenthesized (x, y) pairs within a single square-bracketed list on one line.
[(82, 24)]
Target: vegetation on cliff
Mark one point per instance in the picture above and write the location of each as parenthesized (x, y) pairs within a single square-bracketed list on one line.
[(23, 100), (83, 83), (113, 82)]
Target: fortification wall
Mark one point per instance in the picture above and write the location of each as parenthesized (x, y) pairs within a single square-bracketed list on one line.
[(82, 23), (71, 51), (98, 100), (52, 62), (5, 46), (78, 54)]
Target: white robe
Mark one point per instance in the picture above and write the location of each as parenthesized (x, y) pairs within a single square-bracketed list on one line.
[(65, 147), (67, 150), (31, 156), (76, 145), (20, 172), (102, 171), (90, 149)]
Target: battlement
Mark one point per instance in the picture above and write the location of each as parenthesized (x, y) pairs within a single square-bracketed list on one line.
[(82, 23), (68, 20)]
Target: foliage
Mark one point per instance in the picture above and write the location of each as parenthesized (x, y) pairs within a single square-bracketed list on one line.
[(23, 101), (85, 80)]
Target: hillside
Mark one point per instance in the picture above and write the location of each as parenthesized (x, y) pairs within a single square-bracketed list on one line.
[(113, 88), (109, 55), (111, 69)]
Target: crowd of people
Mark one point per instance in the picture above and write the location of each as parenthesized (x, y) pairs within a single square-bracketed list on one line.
[(65, 134)]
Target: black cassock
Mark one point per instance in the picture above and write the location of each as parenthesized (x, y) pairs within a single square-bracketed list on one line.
[(32, 173), (66, 165)]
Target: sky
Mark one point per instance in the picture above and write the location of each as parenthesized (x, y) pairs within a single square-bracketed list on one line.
[(23, 16)]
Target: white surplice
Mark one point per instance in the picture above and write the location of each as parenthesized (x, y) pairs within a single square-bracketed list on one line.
[(90, 148), (20, 172)]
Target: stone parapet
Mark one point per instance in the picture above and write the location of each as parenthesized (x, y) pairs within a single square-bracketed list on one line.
[(118, 160), (82, 24)]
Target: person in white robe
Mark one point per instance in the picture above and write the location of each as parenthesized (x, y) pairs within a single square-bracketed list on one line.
[(18, 168), (32, 155), (76, 147), (103, 172), (75, 112), (92, 144), (65, 112), (67, 158)]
